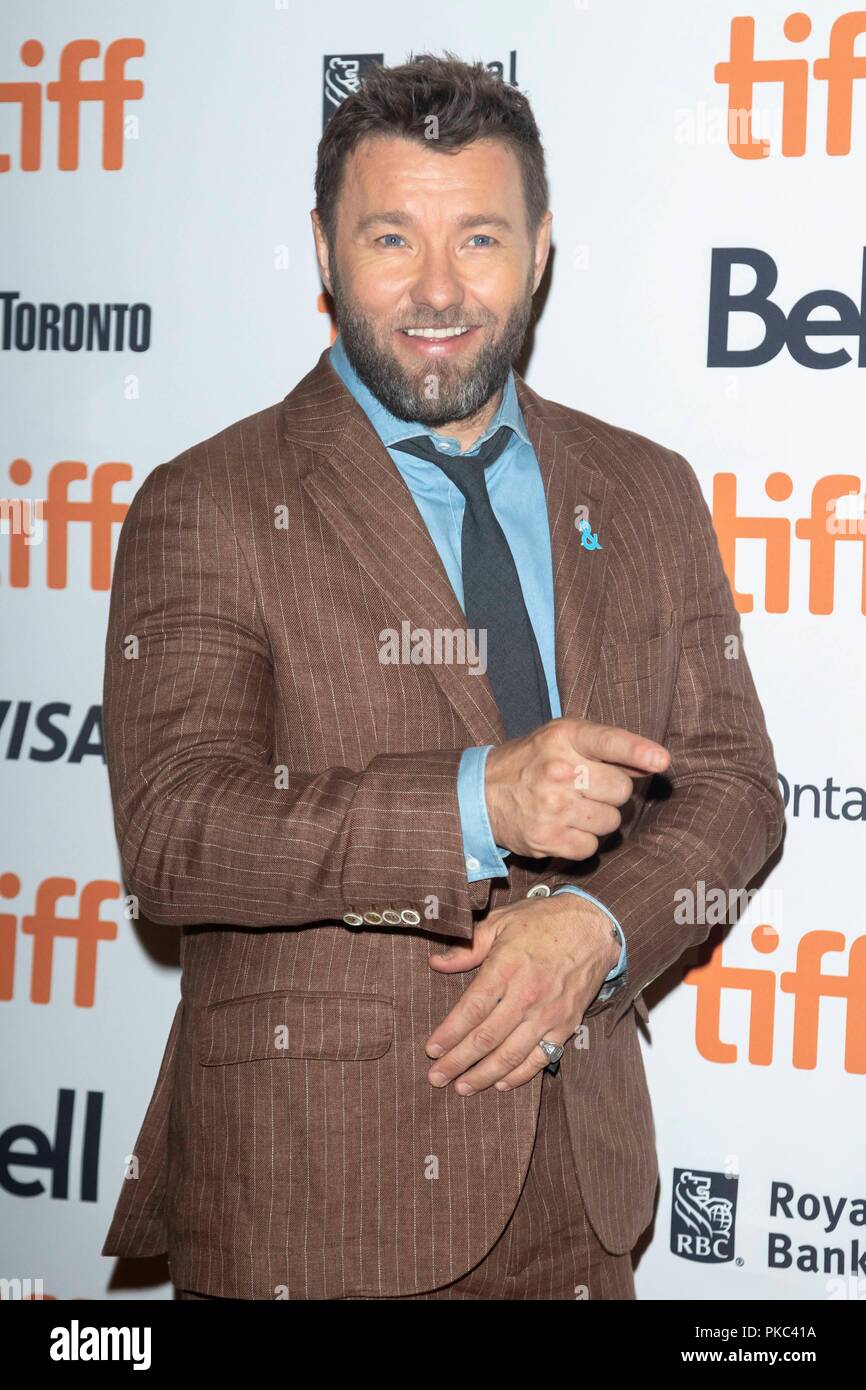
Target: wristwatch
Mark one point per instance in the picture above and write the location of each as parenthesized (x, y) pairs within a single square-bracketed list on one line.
[(612, 987)]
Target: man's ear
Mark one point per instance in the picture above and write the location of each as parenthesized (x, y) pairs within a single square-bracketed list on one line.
[(322, 254), (542, 248)]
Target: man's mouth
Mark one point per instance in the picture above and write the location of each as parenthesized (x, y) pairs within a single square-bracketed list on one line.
[(438, 342), (436, 332)]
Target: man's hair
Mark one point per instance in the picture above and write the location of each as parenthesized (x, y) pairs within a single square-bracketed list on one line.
[(469, 103)]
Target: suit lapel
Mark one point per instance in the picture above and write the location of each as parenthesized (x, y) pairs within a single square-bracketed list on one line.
[(561, 446), (363, 496)]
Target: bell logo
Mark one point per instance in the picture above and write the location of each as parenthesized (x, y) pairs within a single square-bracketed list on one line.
[(743, 72), (703, 1216), (55, 1156), (792, 330)]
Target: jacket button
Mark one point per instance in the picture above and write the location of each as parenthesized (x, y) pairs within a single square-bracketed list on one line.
[(372, 919), (541, 890), (352, 919), (391, 917), (410, 917)]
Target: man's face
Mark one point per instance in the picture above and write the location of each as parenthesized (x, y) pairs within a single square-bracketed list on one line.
[(432, 241)]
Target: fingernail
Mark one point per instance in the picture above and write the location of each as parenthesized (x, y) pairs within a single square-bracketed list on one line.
[(438, 1078), (463, 1088), (502, 1086), (434, 1050)]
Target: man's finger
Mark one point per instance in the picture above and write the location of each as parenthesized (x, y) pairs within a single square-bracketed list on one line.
[(471, 1011), (479, 1041), (518, 1055), (609, 744), (452, 959), (532, 1066)]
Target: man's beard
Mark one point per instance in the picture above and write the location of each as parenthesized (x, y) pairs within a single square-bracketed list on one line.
[(434, 393)]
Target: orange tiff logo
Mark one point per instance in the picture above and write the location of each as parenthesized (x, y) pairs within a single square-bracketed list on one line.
[(827, 524), (807, 985), (834, 518), (742, 72), (26, 520), (70, 91), (45, 926)]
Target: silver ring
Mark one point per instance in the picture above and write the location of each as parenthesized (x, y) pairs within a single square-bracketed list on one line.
[(554, 1050)]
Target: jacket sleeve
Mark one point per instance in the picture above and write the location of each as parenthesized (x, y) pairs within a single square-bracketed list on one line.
[(209, 828), (724, 815)]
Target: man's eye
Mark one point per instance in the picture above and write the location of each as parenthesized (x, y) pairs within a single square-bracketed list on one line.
[(483, 236), (388, 235)]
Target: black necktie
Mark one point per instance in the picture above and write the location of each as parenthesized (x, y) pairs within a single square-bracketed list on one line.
[(492, 597)]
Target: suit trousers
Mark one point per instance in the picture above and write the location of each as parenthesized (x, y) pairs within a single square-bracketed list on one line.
[(548, 1249)]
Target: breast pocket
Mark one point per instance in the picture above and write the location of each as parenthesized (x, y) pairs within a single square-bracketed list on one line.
[(294, 1024), (636, 682)]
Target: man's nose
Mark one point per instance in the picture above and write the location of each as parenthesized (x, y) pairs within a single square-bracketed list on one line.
[(438, 283)]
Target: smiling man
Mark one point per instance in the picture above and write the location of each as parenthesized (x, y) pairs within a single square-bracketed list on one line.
[(420, 900)]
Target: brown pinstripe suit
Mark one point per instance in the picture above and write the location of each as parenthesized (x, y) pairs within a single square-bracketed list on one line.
[(269, 775)]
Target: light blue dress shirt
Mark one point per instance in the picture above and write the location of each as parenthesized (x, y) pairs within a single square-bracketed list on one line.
[(516, 490)]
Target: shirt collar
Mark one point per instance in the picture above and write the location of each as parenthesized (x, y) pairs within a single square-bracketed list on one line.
[(390, 429)]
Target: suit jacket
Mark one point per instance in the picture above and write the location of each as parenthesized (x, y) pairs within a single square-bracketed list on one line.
[(269, 775)]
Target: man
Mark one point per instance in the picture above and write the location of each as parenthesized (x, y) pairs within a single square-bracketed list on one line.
[(422, 882)]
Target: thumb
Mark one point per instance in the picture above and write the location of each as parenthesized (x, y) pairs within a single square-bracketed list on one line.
[(453, 958)]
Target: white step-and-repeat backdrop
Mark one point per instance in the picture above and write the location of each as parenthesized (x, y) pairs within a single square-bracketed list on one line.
[(708, 174)]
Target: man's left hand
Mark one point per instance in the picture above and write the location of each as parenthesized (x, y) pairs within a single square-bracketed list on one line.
[(542, 962)]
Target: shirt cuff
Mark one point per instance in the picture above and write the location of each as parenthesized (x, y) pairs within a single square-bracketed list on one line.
[(622, 963), (484, 858)]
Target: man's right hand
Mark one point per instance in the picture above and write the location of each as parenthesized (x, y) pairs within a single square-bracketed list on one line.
[(555, 792)]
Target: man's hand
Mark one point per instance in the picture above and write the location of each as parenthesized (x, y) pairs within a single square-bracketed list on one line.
[(542, 962), (555, 791)]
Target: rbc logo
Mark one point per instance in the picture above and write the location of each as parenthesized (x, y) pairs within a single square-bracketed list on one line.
[(344, 73), (703, 1216)]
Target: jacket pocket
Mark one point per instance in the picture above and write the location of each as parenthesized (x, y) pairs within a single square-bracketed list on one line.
[(295, 1023), (632, 661)]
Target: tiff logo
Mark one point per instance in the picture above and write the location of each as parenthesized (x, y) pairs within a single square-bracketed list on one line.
[(807, 985), (817, 529), (99, 511), (742, 72), (70, 91), (45, 926)]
